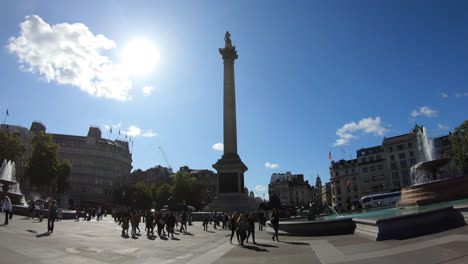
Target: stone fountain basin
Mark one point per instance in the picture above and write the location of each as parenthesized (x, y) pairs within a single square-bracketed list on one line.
[(411, 225), (340, 226), (24, 211)]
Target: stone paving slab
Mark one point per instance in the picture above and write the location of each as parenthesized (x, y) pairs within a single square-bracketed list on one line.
[(26, 241)]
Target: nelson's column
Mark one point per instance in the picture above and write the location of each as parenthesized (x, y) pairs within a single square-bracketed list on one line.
[(230, 168)]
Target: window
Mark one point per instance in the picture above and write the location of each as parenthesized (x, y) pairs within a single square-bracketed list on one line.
[(393, 165), (400, 147), (403, 164), (412, 161), (381, 177), (338, 190), (395, 174), (365, 169), (401, 155), (363, 153), (378, 157), (366, 178), (411, 154), (380, 167), (392, 157), (336, 174), (370, 151), (363, 160), (371, 158), (410, 145), (390, 149), (372, 168), (374, 177)]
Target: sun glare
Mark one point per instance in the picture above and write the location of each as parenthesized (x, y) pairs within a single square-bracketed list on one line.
[(140, 57)]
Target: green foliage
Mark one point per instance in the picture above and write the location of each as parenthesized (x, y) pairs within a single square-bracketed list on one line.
[(43, 164), (459, 151), (44, 170), (161, 195), (11, 147), (63, 177), (186, 188)]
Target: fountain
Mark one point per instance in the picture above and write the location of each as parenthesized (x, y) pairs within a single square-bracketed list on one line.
[(436, 201), (9, 184), (432, 180), (333, 210)]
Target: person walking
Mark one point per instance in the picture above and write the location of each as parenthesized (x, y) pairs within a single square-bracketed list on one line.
[(274, 219), (233, 226), (170, 224), (251, 227), (125, 220), (7, 209), (41, 209), (134, 221), (149, 221), (261, 220), (52, 216), (183, 223), (31, 209), (242, 228), (206, 219)]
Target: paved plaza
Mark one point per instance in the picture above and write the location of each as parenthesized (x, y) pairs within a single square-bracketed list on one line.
[(26, 241)]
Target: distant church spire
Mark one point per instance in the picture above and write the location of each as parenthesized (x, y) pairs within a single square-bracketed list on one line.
[(318, 181)]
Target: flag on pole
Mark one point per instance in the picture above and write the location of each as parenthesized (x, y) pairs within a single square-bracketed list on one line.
[(125, 135), (119, 131), (110, 130), (8, 114), (329, 155)]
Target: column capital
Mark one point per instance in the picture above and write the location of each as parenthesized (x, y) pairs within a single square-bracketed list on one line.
[(229, 53)]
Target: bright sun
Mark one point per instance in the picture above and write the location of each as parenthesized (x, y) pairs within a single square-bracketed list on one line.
[(140, 57)]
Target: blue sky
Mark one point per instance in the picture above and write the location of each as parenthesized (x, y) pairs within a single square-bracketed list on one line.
[(311, 77)]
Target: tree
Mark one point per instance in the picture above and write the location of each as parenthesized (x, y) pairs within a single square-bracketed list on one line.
[(162, 194), (63, 177), (11, 147), (186, 188), (459, 152), (43, 164), (44, 169)]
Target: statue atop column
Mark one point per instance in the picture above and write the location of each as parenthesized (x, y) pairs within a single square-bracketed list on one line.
[(227, 39)]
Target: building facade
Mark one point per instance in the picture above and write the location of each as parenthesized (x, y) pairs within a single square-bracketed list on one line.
[(207, 181), (157, 175), (379, 169), (326, 195), (291, 189), (99, 165)]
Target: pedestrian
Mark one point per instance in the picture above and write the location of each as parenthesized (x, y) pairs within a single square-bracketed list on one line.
[(77, 214), (233, 226), (183, 223), (134, 221), (170, 223), (31, 209), (59, 214), (242, 228), (274, 219), (261, 220), (215, 220), (41, 209), (125, 220), (7, 208), (251, 227), (206, 219), (138, 218), (52, 216), (149, 221)]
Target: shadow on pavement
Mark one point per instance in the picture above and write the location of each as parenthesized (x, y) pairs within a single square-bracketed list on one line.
[(32, 231), (125, 236), (174, 238), (187, 234), (256, 248), (43, 234), (266, 245), (295, 243)]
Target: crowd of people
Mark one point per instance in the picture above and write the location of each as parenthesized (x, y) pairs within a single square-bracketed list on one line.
[(166, 223)]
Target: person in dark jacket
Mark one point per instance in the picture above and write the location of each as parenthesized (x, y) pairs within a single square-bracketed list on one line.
[(52, 216)]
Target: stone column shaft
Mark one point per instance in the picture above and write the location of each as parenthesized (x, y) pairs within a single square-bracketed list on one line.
[(230, 127)]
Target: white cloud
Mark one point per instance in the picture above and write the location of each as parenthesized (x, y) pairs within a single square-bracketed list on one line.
[(147, 90), (366, 125), (132, 131), (443, 127), (444, 95), (341, 142), (218, 146), (149, 133), (458, 95), (260, 188), (70, 54), (271, 165), (425, 110)]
